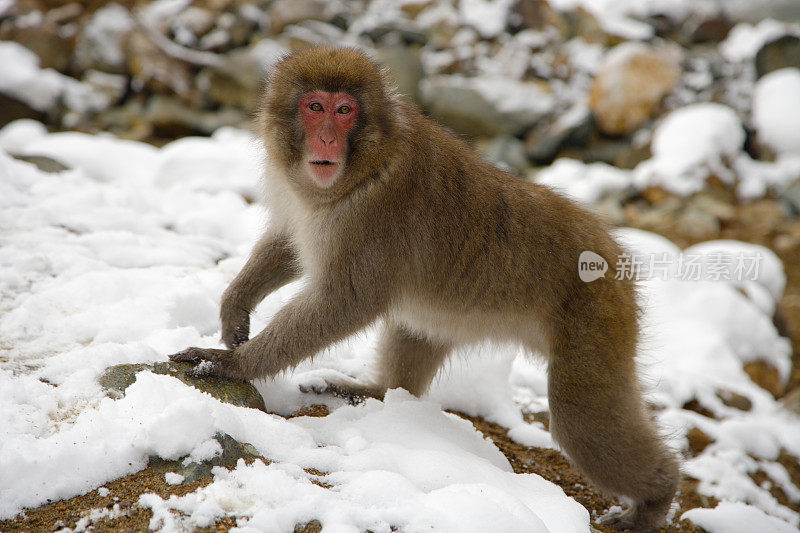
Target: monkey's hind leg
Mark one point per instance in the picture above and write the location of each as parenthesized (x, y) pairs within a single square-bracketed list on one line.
[(406, 360), (409, 360), (599, 420)]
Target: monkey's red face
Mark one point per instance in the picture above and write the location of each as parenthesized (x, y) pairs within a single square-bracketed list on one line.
[(327, 119)]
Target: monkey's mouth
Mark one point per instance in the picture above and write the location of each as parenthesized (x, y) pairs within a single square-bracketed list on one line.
[(323, 162)]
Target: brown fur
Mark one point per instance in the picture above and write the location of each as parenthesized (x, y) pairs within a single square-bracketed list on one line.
[(448, 250)]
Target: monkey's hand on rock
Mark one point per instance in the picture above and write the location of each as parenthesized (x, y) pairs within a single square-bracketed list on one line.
[(210, 362)]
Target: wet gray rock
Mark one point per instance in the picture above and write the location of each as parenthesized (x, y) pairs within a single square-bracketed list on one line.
[(43, 163), (282, 13), (101, 43), (777, 54), (406, 69), (171, 117), (456, 102), (232, 451), (505, 151), (697, 223), (152, 68), (118, 378), (790, 198), (572, 129), (791, 401), (234, 82)]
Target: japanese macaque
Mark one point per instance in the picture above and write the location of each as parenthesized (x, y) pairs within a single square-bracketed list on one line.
[(389, 216)]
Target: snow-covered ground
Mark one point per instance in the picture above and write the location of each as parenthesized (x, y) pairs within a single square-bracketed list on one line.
[(123, 259)]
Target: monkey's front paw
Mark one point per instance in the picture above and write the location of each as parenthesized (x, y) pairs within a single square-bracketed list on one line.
[(210, 362)]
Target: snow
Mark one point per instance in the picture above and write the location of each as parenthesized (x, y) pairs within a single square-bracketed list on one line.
[(123, 257), (24, 79), (731, 517), (173, 479), (691, 144), (776, 110), (41, 89), (487, 16), (745, 39), (105, 33), (698, 141), (582, 182)]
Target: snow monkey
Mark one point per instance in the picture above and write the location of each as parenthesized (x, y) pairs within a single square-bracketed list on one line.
[(389, 216)]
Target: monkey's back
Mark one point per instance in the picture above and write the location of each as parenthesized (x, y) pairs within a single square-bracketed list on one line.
[(462, 221)]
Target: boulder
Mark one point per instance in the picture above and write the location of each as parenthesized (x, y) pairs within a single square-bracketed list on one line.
[(118, 378), (777, 54), (101, 43), (632, 80), (484, 107), (405, 67), (229, 453), (282, 13), (152, 68)]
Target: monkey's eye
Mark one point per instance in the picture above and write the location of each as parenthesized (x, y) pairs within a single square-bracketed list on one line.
[(316, 106), (345, 109)]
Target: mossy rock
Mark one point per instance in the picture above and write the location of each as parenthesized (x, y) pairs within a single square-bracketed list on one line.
[(118, 378), (232, 451)]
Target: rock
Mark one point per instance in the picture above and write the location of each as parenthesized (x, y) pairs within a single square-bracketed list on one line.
[(537, 15), (765, 376), (12, 109), (234, 83), (171, 117), (713, 205), (101, 44), (111, 86), (229, 454), (761, 216), (698, 440), (151, 67), (118, 378), (703, 28), (777, 54), (792, 401), (45, 164), (610, 209), (461, 108), (791, 198), (412, 8), (395, 33), (406, 69), (45, 40), (572, 129), (282, 13), (631, 82), (127, 120), (697, 224), (484, 107), (735, 400), (504, 151), (581, 23), (191, 24), (619, 152)]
